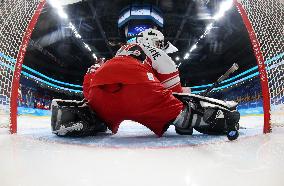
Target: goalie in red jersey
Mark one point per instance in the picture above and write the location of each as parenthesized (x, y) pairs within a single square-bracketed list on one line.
[(136, 84)]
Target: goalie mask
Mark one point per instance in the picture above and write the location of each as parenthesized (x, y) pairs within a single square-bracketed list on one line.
[(155, 38), (151, 37)]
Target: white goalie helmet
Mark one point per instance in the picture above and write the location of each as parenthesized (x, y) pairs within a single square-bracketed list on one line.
[(155, 38)]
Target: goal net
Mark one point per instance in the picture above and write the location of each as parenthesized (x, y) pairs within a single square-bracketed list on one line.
[(264, 20)]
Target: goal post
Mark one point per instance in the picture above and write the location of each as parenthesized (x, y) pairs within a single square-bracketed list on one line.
[(264, 21), (261, 66), (18, 66), (17, 21)]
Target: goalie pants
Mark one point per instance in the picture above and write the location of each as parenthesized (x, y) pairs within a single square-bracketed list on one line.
[(147, 103)]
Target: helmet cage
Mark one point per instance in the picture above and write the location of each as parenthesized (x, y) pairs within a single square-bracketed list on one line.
[(151, 37), (158, 43)]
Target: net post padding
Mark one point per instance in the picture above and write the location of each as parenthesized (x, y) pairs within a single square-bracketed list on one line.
[(261, 66), (18, 68)]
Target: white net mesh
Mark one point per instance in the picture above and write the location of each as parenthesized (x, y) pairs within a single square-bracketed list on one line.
[(267, 19), (15, 16)]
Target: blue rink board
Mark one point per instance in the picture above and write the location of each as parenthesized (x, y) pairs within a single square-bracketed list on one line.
[(40, 112), (33, 111)]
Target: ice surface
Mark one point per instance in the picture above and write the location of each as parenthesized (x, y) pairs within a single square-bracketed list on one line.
[(134, 156)]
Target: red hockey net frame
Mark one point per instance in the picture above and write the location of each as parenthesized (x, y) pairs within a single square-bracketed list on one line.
[(260, 62), (18, 67), (17, 21), (264, 21), (253, 12)]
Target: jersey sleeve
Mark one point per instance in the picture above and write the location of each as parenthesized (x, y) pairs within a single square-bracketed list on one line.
[(164, 67)]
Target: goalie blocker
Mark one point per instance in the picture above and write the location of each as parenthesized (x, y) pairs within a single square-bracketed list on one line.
[(75, 119)]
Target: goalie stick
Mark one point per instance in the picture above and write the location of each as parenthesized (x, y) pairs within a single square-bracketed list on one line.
[(231, 70)]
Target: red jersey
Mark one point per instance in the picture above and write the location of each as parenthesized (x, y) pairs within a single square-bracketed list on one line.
[(136, 84), (136, 63)]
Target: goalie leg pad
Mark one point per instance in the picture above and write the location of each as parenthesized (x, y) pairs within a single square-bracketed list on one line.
[(218, 122), (212, 122), (75, 121), (232, 120), (211, 116), (183, 121)]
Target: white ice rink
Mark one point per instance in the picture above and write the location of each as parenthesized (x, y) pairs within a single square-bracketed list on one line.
[(134, 156)]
